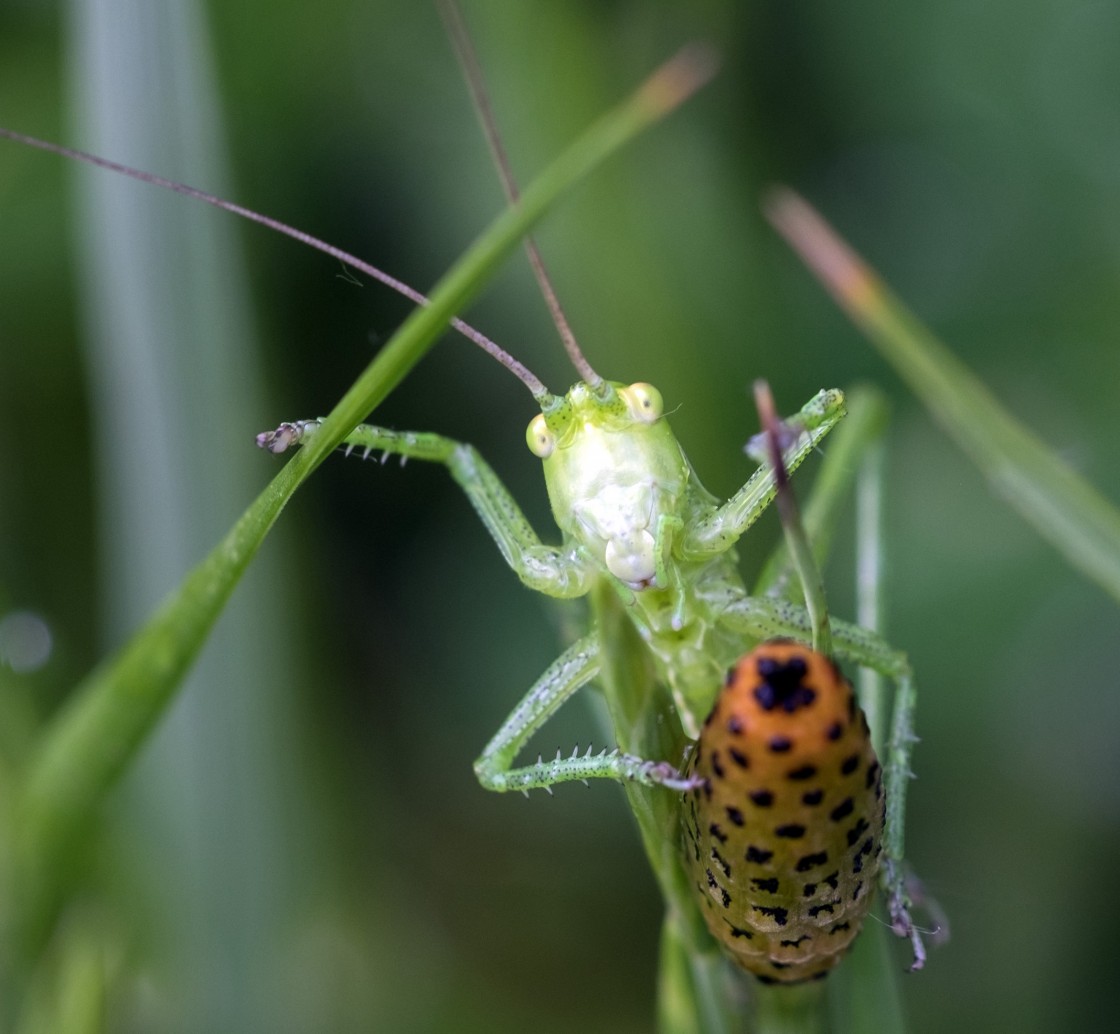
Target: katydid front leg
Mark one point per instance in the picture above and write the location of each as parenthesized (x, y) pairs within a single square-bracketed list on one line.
[(720, 530), (554, 571)]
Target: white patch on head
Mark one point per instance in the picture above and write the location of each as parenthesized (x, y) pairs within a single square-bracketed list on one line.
[(619, 516), (631, 559)]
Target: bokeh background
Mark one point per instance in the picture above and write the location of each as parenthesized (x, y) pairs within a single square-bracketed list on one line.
[(303, 845)]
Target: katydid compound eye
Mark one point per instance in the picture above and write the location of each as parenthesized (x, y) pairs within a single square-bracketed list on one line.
[(540, 439), (644, 401)]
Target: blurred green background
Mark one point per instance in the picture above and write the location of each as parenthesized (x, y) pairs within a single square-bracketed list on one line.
[(303, 845)]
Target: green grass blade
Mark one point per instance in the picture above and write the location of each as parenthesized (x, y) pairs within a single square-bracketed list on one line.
[(111, 713), (1062, 506)]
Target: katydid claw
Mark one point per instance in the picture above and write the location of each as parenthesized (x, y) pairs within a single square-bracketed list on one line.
[(661, 773), (280, 440)]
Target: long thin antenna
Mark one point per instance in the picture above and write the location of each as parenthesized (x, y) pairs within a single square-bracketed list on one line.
[(476, 83), (800, 550), (518, 369)]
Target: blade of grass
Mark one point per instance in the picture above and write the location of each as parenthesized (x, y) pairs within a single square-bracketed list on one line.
[(1062, 506), (111, 713)]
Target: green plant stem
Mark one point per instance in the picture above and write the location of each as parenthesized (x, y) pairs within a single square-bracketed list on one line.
[(796, 1009)]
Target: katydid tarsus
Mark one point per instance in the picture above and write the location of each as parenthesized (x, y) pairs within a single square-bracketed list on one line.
[(639, 534)]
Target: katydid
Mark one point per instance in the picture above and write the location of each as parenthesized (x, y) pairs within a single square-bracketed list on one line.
[(637, 526), (636, 521), (648, 544)]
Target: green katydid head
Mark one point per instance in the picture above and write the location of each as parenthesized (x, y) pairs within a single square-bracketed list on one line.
[(612, 467)]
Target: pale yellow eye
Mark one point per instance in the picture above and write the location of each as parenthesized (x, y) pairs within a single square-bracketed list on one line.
[(644, 401), (540, 439)]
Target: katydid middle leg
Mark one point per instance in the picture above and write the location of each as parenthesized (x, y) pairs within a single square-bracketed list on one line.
[(575, 667)]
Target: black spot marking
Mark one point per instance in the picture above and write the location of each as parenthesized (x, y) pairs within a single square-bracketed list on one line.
[(763, 979), (835, 731), (808, 890), (812, 797), (849, 764), (739, 757), (735, 725), (718, 833), (783, 684), (838, 927), (769, 884), (811, 861), (794, 944), (780, 744), (842, 810), (716, 766), (718, 859), (872, 774), (758, 855), (761, 798), (779, 915), (833, 879), (735, 815), (825, 906), (714, 884), (778, 965), (856, 892), (802, 773), (737, 931), (707, 788), (857, 831), (790, 831)]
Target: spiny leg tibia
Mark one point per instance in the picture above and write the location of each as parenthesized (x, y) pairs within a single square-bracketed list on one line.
[(574, 668)]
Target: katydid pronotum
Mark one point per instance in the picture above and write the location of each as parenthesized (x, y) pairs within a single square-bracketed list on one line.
[(647, 542)]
